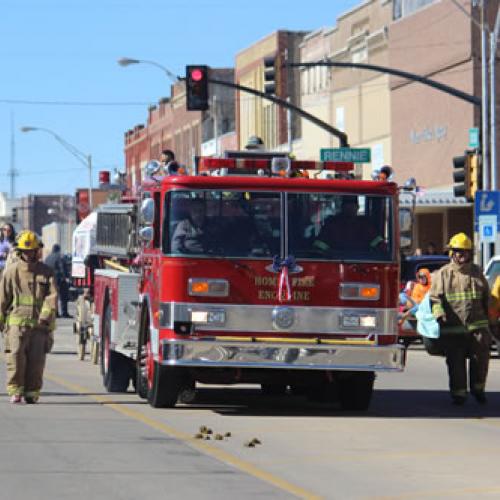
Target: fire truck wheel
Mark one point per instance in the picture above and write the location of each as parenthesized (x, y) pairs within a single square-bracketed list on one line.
[(114, 366), (141, 375), (167, 384), (117, 375), (273, 389), (355, 391)]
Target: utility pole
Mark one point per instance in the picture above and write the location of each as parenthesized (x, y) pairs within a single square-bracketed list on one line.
[(485, 139), (493, 124)]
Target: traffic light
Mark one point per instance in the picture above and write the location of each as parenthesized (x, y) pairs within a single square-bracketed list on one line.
[(475, 174), (196, 88), (270, 75), (14, 215), (467, 175)]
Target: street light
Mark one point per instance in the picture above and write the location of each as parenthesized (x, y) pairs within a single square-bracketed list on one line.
[(127, 61), (81, 157)]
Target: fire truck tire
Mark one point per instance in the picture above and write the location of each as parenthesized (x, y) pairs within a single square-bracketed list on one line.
[(117, 376), (355, 391), (114, 366), (141, 379), (273, 389), (167, 385)]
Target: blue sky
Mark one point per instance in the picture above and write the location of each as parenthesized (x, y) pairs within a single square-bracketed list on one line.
[(65, 51)]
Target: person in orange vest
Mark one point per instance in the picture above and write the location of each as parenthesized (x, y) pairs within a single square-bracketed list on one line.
[(418, 292)]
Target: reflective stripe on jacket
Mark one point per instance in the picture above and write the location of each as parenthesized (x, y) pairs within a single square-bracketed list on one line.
[(28, 295)]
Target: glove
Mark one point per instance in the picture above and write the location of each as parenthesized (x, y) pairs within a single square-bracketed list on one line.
[(44, 324), (441, 320)]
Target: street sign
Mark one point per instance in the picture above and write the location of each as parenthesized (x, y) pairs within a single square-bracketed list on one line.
[(474, 138), (354, 155), (486, 203), (488, 228)]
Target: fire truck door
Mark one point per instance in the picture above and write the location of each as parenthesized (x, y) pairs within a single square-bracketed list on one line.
[(156, 261)]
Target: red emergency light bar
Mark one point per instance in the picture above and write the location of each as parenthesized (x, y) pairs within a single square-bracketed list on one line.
[(207, 163)]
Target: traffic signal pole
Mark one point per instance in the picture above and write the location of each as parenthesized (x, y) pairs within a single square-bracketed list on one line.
[(396, 72), (342, 136)]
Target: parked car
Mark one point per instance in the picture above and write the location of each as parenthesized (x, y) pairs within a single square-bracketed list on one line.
[(409, 267), (492, 270)]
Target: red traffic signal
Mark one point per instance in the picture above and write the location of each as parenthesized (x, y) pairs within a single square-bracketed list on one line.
[(196, 88)]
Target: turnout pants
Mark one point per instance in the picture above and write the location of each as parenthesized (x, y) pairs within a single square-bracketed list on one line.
[(457, 348), (26, 350)]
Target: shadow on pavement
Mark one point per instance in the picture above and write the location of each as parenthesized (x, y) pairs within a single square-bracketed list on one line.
[(385, 404)]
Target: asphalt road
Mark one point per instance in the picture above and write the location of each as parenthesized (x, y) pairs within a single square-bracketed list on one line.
[(80, 442)]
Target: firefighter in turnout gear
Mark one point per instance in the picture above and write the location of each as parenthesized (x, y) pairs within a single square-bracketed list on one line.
[(460, 301), (28, 301)]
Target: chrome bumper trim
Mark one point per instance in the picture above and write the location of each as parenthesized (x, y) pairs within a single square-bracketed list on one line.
[(235, 354), (261, 318)]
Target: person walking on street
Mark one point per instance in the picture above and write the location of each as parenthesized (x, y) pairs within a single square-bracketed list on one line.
[(55, 261), (7, 243), (460, 301), (28, 301)]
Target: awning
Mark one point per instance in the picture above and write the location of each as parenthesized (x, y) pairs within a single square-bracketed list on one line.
[(436, 198)]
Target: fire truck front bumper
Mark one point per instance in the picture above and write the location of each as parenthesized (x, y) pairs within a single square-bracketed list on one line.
[(222, 353)]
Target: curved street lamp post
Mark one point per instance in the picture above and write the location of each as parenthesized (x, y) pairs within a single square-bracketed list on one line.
[(79, 155)]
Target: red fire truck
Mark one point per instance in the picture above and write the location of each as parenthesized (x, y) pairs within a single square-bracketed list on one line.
[(252, 270)]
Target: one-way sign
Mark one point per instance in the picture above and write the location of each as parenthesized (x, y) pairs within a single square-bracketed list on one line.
[(352, 155)]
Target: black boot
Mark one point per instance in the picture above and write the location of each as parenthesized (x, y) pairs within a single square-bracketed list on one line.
[(458, 399), (480, 397)]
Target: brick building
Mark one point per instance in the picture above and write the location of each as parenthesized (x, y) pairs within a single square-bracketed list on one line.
[(170, 126), (256, 116), (352, 100), (430, 127)]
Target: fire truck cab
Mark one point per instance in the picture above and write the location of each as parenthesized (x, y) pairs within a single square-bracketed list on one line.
[(255, 271)]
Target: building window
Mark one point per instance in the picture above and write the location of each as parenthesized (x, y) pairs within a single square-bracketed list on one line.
[(305, 89), (403, 8), (359, 54), (340, 118)]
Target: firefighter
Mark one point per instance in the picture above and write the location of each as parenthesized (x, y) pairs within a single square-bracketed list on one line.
[(460, 299), (347, 231), (28, 302)]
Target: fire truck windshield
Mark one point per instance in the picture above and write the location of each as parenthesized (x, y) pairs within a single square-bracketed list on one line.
[(242, 224)]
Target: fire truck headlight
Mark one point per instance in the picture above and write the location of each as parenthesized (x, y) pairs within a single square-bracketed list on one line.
[(207, 287), (355, 320), (210, 317), (359, 291), (368, 321)]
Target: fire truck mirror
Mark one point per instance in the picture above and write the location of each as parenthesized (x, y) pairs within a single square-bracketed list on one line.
[(147, 212), (405, 228), (405, 220), (146, 234)]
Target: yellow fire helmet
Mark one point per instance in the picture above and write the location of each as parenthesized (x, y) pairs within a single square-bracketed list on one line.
[(460, 241), (28, 240)]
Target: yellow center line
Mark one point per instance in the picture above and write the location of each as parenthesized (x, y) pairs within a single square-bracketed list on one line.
[(204, 447)]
